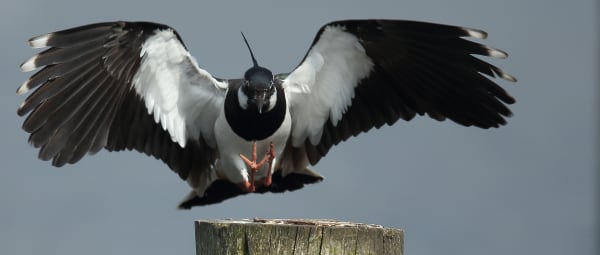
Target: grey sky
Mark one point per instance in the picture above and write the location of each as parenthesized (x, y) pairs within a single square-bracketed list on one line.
[(526, 188)]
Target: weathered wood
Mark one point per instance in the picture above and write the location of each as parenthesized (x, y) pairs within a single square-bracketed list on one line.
[(309, 237)]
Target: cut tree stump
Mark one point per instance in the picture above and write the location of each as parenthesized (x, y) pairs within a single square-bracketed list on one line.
[(300, 236)]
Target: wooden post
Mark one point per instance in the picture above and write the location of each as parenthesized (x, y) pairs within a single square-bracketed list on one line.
[(309, 237)]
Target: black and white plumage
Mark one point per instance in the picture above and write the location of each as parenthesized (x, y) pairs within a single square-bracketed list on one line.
[(135, 86)]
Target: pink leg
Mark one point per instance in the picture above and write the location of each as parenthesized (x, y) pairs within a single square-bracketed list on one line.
[(271, 155), (254, 165)]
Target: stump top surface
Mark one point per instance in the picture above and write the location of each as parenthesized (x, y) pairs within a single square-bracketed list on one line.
[(296, 222)]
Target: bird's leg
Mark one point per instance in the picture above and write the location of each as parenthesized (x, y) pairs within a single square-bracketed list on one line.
[(254, 166), (271, 155)]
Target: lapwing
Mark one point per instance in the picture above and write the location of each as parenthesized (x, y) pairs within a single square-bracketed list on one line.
[(134, 86)]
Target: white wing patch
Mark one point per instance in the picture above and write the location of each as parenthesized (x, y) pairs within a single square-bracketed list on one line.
[(182, 97), (323, 85)]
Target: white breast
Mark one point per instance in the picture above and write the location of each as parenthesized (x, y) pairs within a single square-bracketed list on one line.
[(230, 145)]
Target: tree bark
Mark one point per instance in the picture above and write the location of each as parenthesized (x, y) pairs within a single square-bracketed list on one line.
[(302, 236)]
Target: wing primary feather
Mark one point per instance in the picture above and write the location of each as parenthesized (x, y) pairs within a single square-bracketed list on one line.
[(457, 111), (74, 36), (55, 86), (43, 112), (93, 126), (92, 133), (61, 55), (64, 123), (451, 74)]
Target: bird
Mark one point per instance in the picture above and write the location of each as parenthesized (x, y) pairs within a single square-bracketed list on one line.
[(125, 85)]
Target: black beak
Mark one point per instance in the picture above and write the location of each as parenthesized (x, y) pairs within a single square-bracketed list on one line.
[(260, 99)]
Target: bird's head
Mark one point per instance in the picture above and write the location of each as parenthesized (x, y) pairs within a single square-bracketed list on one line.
[(258, 91)]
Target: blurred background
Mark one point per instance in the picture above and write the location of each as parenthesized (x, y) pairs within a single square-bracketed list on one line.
[(530, 187)]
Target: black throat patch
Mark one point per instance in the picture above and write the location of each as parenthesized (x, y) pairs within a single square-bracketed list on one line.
[(249, 124)]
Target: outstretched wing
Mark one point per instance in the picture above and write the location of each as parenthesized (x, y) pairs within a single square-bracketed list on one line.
[(360, 74), (121, 85)]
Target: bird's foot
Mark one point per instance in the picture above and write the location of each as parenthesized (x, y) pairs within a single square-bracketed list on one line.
[(254, 166)]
